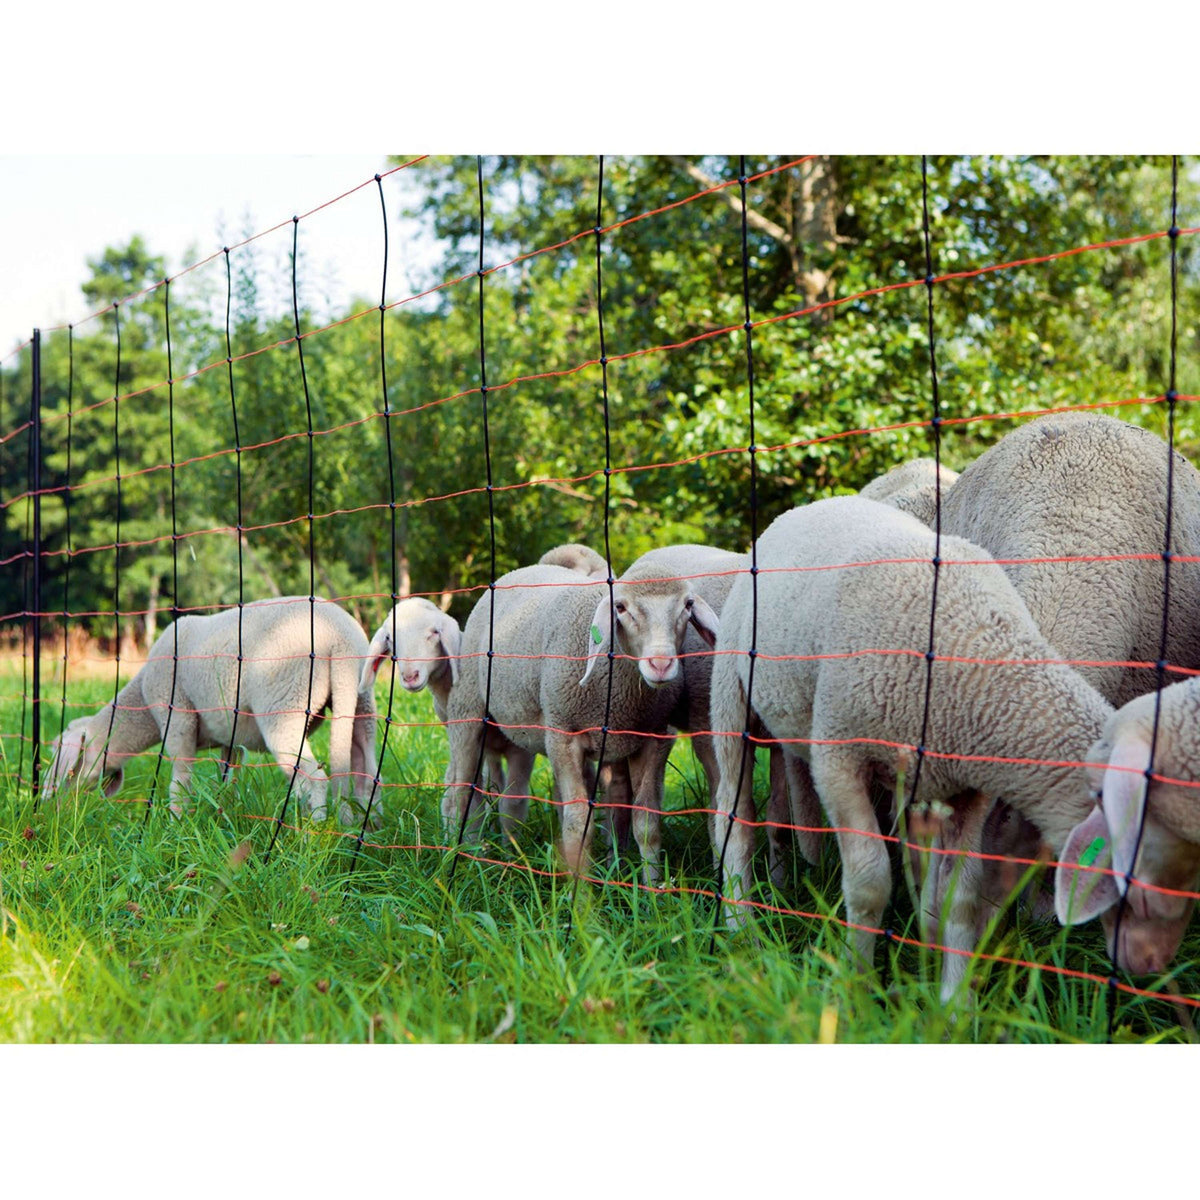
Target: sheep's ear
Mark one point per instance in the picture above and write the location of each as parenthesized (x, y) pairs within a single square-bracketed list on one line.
[(1081, 895), (1124, 799), (380, 648), (451, 636), (112, 782), (599, 636), (705, 620)]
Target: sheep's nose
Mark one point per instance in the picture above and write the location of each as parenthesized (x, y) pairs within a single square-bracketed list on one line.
[(662, 667), (1144, 951), (411, 678)]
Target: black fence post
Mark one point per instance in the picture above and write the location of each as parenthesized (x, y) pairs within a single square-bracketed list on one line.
[(35, 434)]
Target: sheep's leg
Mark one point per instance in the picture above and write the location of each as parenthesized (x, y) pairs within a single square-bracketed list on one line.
[(618, 802), (341, 755), (778, 815), (805, 805), (463, 805), (285, 738), (180, 747), (647, 768), (566, 755), (958, 878), (363, 767), (733, 829), (866, 873), (514, 803)]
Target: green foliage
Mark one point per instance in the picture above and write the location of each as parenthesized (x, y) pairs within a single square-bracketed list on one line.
[(1087, 327)]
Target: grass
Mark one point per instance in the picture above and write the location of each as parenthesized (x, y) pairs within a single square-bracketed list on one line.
[(115, 927)]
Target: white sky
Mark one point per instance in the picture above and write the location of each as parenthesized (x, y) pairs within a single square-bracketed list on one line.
[(58, 211)]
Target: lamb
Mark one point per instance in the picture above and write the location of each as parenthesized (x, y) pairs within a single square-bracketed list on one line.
[(1153, 922), (1085, 484), (912, 487), (840, 676), (712, 572), (547, 620), (271, 701)]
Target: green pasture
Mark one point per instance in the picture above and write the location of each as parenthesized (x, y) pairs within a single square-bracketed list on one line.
[(118, 926)]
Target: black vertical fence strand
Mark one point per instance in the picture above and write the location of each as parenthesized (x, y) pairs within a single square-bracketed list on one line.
[(174, 550), (312, 600), (612, 616), (387, 441), (66, 499), (1167, 554), (487, 453), (35, 458), (117, 538), (752, 654), (227, 768)]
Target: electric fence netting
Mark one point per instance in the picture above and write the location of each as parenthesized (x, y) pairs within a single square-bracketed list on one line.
[(674, 366)]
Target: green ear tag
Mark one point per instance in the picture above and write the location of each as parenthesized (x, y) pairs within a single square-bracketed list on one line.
[(596, 635), (1090, 855)]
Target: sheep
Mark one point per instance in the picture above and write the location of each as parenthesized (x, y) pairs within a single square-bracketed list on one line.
[(820, 677), (423, 642), (711, 572), (912, 487), (1153, 922), (273, 693), (1084, 484), (546, 621)]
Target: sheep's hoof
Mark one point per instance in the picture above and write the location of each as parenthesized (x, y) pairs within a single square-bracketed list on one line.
[(177, 810), (318, 814)]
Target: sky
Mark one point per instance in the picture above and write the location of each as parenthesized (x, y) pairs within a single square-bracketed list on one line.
[(57, 211)]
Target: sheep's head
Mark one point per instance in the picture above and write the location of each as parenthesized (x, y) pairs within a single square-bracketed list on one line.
[(1153, 922), (78, 758), (419, 637), (652, 615)]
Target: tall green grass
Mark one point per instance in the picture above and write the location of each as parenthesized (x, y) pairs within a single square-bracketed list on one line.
[(120, 925)]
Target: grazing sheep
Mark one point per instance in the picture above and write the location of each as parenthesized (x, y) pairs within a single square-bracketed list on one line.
[(820, 677), (1153, 922), (912, 487), (272, 698), (1079, 485), (711, 572), (547, 621)]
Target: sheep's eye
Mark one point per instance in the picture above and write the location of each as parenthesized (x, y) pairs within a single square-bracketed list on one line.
[(688, 603), (620, 608)]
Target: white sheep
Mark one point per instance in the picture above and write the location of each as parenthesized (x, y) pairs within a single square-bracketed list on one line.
[(912, 487), (1086, 485), (548, 621), (271, 700), (1153, 922), (711, 571), (841, 666), (1079, 485)]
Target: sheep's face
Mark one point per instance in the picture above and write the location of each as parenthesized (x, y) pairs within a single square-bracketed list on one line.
[(651, 623), (78, 761), (1152, 923), (420, 639)]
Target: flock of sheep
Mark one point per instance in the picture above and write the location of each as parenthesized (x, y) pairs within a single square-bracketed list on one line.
[(1046, 621)]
